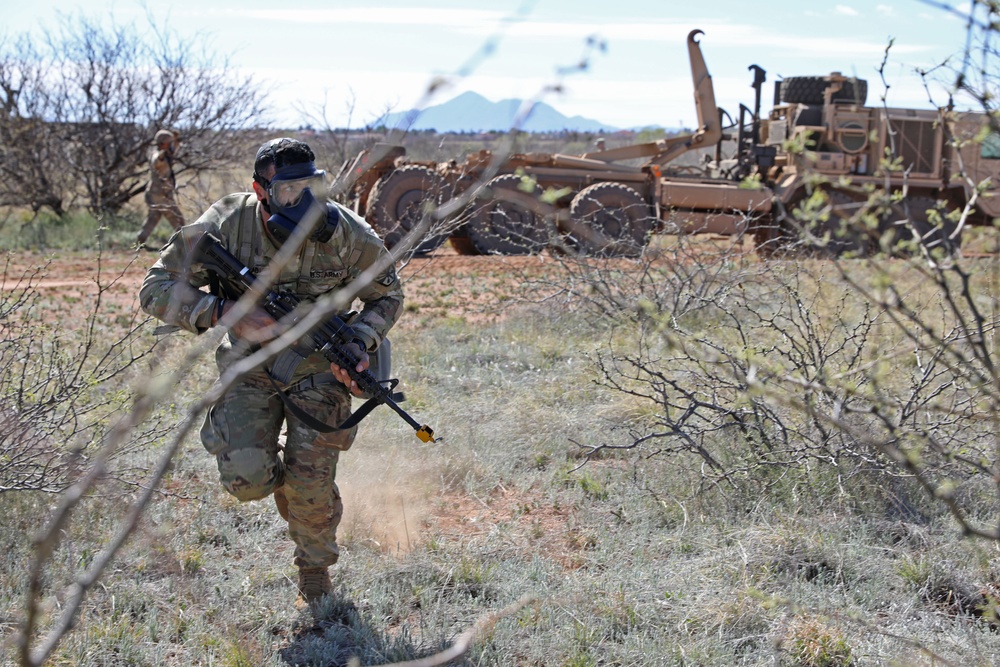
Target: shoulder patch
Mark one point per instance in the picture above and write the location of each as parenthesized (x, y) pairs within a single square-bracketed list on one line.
[(387, 278)]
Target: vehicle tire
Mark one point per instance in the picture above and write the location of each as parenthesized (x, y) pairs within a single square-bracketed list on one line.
[(923, 220), (768, 240), (810, 89), (609, 220), (397, 202), (459, 222), (803, 231), (841, 232), (462, 244), (504, 221)]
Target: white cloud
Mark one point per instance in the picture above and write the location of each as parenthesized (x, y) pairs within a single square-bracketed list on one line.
[(957, 13), (642, 78), (804, 46), (380, 16)]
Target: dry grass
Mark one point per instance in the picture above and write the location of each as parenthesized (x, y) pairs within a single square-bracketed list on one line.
[(632, 561)]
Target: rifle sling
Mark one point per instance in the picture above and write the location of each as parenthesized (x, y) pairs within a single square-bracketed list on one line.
[(306, 418)]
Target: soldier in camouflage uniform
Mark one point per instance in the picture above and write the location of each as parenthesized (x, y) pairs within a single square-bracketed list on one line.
[(160, 193), (242, 429)]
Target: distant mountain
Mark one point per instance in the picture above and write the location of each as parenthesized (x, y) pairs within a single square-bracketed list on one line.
[(471, 112)]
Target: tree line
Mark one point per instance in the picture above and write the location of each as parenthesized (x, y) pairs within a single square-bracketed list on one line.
[(79, 105)]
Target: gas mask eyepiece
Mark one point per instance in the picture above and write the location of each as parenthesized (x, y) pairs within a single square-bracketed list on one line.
[(297, 195)]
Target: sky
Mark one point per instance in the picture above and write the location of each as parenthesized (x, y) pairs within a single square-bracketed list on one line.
[(623, 63)]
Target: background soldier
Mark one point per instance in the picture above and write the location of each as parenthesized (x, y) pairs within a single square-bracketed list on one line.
[(242, 429), (160, 193)]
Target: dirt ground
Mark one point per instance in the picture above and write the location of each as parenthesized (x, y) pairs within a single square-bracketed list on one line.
[(442, 284)]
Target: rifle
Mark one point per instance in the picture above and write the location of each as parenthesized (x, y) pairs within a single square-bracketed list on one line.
[(330, 337)]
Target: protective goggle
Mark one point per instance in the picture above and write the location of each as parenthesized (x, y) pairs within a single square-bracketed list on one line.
[(288, 185)]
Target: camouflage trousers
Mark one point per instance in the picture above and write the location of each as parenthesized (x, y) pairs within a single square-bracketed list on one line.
[(160, 206), (242, 430)]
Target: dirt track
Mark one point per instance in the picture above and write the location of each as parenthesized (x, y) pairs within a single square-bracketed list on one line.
[(444, 283)]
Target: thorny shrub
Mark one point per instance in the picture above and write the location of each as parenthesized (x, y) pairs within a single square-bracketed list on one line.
[(751, 370), (61, 386)]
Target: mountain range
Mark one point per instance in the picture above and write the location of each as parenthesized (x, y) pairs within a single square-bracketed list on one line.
[(471, 112)]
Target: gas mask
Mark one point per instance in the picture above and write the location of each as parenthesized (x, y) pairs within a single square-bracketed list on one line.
[(292, 198)]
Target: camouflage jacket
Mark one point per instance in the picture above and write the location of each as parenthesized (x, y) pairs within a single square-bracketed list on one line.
[(161, 172), (171, 290)]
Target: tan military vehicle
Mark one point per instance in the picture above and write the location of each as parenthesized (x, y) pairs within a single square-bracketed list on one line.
[(928, 162), (603, 204), (758, 177)]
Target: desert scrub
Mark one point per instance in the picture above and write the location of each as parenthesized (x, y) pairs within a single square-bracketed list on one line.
[(812, 643), (634, 558)]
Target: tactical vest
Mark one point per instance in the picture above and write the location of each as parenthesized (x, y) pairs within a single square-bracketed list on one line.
[(240, 238), (245, 238)]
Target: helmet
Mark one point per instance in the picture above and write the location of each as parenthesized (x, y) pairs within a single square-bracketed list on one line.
[(163, 135)]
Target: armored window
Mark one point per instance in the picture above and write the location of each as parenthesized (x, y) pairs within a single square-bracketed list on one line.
[(852, 137)]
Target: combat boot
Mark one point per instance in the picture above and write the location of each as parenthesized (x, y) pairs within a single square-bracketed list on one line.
[(314, 583), (281, 502)]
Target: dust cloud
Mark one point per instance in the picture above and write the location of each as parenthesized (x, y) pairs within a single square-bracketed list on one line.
[(387, 497)]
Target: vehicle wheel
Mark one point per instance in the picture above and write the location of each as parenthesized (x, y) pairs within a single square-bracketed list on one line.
[(768, 241), (506, 222), (810, 89), (842, 230), (459, 222), (609, 220), (923, 219), (462, 244), (396, 206), (833, 231)]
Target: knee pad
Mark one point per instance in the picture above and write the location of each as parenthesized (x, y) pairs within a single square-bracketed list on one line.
[(251, 473)]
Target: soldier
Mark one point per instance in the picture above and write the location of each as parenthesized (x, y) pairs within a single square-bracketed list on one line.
[(242, 429), (160, 193)]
